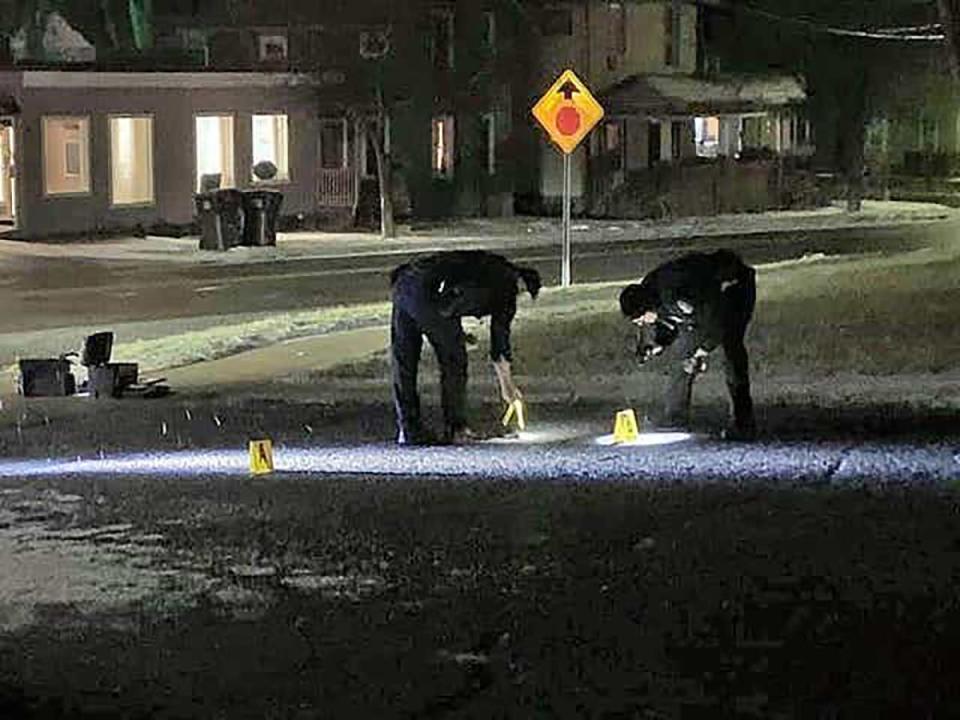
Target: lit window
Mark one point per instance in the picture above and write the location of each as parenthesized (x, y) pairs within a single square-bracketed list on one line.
[(131, 160), (66, 155), (271, 144), (443, 146), (333, 144), (490, 121), (707, 132), (215, 152)]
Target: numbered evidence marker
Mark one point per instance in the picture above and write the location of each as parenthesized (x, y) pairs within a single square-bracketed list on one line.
[(515, 410), (261, 457), (625, 427)]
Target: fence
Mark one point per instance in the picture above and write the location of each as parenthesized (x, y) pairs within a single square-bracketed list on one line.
[(337, 188)]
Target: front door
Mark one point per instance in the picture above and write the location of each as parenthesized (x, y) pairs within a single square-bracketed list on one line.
[(653, 143), (8, 182)]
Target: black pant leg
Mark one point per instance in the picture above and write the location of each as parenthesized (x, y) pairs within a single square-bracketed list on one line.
[(680, 386), (406, 342), (449, 343), (741, 299), (738, 382)]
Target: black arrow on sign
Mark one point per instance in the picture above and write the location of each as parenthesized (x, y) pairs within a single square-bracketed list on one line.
[(568, 89)]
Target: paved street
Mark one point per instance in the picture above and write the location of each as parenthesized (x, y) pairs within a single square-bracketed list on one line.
[(304, 596)]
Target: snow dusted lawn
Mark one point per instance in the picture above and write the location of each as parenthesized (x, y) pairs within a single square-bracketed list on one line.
[(830, 330)]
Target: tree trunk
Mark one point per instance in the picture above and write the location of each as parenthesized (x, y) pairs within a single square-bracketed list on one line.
[(853, 136), (949, 11), (375, 135)]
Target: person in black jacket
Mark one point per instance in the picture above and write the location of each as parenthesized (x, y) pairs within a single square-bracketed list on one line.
[(698, 301), (430, 296)]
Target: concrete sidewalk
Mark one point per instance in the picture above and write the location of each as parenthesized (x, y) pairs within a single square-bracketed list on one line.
[(490, 233), (291, 357)]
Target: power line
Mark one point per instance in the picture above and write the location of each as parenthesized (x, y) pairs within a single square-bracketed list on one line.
[(922, 33)]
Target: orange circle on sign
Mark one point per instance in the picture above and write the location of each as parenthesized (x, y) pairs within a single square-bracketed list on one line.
[(568, 120)]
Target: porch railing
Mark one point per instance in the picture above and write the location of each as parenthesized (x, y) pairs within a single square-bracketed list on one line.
[(337, 187)]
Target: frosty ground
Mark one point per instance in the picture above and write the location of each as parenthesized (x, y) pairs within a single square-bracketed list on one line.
[(322, 596)]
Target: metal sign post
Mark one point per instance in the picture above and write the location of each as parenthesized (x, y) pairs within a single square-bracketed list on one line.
[(568, 112), (565, 275)]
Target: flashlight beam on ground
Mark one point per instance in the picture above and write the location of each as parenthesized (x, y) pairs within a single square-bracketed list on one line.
[(695, 461)]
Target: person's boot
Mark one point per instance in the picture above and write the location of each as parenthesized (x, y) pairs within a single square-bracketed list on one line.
[(414, 437), (740, 432), (460, 436)]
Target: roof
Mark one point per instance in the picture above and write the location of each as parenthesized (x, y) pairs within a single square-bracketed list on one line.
[(687, 95), (181, 80)]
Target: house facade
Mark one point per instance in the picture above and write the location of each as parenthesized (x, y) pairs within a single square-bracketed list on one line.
[(92, 151), (675, 138)]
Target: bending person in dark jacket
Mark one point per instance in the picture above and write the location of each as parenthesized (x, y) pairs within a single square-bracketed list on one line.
[(430, 296), (698, 301)]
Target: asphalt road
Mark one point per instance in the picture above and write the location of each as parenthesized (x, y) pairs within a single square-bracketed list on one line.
[(48, 293), (308, 597)]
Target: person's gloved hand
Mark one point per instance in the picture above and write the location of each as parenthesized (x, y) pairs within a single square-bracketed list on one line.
[(645, 352), (696, 363)]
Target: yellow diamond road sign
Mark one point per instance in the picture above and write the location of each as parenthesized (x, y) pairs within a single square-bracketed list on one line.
[(567, 111)]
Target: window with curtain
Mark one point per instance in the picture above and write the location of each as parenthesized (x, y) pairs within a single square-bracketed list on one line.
[(271, 144), (66, 155), (215, 152), (131, 160)]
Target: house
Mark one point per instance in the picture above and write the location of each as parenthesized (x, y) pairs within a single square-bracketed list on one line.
[(86, 151), (675, 139), (86, 146), (437, 79)]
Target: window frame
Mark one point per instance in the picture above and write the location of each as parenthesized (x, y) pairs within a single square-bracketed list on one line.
[(490, 127), (44, 148), (490, 31), (448, 142), (233, 146), (279, 179), (264, 39), (344, 142), (152, 202), (445, 15)]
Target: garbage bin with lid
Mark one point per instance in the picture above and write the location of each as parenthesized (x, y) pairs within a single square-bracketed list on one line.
[(221, 219), (261, 210)]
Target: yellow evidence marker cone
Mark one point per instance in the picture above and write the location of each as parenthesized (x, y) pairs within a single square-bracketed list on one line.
[(261, 457), (625, 427), (515, 409)]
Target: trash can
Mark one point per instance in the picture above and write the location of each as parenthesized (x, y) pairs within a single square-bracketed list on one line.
[(46, 377), (261, 210), (221, 219)]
